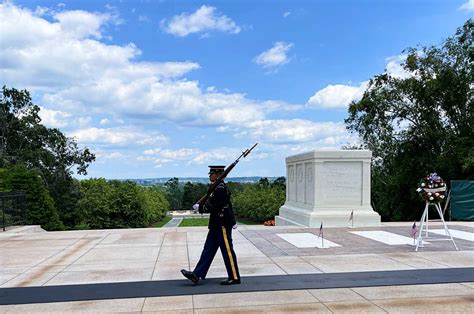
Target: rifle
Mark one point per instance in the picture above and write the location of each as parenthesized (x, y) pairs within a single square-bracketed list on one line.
[(211, 189)]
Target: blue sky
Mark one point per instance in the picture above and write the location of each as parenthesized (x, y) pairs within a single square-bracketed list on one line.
[(165, 88)]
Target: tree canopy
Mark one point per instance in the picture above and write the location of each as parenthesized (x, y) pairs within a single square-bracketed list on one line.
[(419, 123), (40, 161), (24, 140)]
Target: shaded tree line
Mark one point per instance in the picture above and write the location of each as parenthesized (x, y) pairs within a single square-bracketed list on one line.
[(40, 161), (259, 202), (420, 123)]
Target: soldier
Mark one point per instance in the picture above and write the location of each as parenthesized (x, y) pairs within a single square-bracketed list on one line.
[(221, 222)]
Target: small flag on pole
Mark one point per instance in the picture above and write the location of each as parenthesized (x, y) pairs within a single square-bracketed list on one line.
[(414, 230), (320, 230), (352, 216)]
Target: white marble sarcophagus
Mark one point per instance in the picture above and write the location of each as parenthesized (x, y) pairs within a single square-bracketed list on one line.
[(327, 186)]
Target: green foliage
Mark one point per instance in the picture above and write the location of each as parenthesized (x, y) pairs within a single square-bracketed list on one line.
[(261, 201), (117, 204), (419, 124), (235, 187), (174, 193), (25, 141), (155, 204), (66, 194), (94, 205), (279, 182), (192, 193), (194, 222), (39, 203)]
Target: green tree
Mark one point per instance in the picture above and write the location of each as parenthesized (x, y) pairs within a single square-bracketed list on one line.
[(25, 141), (259, 202), (126, 207), (119, 204), (279, 182), (95, 204), (235, 187), (263, 183), (155, 204), (174, 193), (192, 193), (419, 123), (39, 204), (66, 193)]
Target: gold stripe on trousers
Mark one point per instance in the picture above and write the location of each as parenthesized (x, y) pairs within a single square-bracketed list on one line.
[(234, 273)]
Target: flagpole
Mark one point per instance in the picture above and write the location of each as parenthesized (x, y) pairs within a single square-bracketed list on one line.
[(322, 236), (321, 233)]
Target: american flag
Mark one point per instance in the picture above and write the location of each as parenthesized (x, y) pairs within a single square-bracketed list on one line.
[(414, 229), (320, 230)]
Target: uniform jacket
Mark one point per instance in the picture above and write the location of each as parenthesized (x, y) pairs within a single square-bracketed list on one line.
[(220, 208)]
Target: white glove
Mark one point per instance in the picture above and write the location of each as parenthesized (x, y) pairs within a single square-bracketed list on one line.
[(196, 207), (234, 226)]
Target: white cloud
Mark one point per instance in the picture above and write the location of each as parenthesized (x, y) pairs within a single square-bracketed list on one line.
[(181, 154), (286, 14), (203, 20), (275, 56), (340, 96), (191, 155), (109, 155), (394, 67), (336, 96), (117, 136), (224, 155), (39, 54), (468, 6), (54, 118), (81, 24), (83, 121), (178, 101), (105, 77), (61, 119), (293, 131)]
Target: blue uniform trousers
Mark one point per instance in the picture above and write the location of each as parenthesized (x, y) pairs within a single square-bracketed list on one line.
[(218, 238)]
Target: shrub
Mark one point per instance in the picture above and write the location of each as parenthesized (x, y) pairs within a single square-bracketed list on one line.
[(259, 202)]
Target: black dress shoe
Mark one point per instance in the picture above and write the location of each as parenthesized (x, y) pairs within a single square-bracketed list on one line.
[(229, 282), (190, 275)]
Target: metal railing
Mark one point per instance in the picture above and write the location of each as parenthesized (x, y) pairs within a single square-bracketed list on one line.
[(13, 207)]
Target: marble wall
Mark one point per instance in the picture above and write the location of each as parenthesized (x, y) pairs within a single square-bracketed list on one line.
[(326, 186)]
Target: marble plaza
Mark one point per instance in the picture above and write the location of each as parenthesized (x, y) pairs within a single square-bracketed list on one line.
[(92, 259)]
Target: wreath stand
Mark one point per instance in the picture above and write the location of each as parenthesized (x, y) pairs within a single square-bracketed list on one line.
[(424, 225)]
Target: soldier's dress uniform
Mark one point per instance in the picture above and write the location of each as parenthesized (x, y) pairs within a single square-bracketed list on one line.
[(221, 221)]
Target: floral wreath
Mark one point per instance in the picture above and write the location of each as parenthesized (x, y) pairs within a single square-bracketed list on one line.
[(432, 188)]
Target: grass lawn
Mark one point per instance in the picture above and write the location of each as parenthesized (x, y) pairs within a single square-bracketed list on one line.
[(194, 222), (161, 223)]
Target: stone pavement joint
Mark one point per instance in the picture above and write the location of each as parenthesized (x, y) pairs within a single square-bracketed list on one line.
[(140, 289)]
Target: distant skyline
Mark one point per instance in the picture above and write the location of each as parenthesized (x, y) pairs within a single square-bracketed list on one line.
[(165, 88)]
